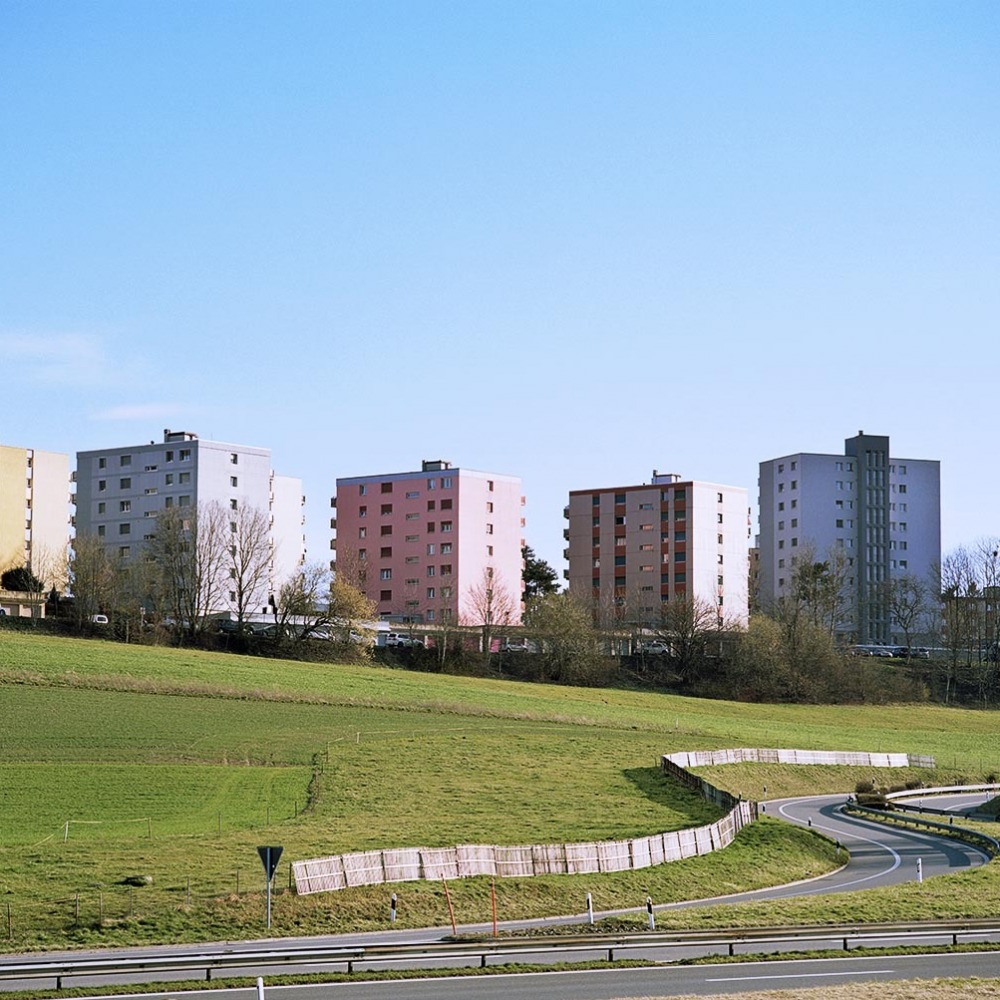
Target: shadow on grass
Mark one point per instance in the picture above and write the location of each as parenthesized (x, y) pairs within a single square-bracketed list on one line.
[(661, 791)]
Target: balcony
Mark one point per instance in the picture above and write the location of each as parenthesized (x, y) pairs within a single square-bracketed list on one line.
[(333, 501), (333, 523), (566, 512), (565, 534), (566, 554)]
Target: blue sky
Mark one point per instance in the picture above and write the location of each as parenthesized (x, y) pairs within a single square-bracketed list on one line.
[(566, 241)]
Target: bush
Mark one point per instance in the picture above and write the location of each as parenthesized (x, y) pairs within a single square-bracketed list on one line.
[(864, 787)]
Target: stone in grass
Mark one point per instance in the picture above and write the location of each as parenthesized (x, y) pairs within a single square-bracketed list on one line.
[(137, 880)]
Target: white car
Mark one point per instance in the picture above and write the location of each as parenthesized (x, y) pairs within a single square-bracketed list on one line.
[(402, 639), (653, 647)]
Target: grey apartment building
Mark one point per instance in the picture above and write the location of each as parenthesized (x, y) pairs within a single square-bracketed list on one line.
[(880, 514), (122, 490)]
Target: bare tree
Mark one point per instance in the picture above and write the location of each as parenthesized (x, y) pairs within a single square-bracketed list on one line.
[(188, 553), (91, 574), (908, 600), (302, 603), (490, 605), (687, 625), (249, 557)]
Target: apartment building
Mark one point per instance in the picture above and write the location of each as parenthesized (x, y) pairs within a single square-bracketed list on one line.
[(423, 545), (121, 491), (35, 512), (633, 549), (878, 516)]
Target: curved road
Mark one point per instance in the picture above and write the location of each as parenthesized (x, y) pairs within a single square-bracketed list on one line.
[(878, 855)]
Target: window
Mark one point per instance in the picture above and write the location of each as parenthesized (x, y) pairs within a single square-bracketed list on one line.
[(232, 525), (124, 506), (680, 577), (446, 483), (430, 593), (446, 504), (781, 468), (645, 506), (795, 542), (102, 485), (720, 519), (413, 538), (234, 458), (362, 489), (432, 571), (680, 536), (446, 549), (619, 560), (385, 574), (233, 504), (184, 477), (720, 560), (718, 539), (185, 455), (412, 560), (386, 529), (413, 517), (430, 549), (168, 479), (781, 543), (489, 485), (412, 494), (385, 552), (781, 564), (432, 484), (362, 532), (385, 595), (431, 504), (386, 509), (362, 554), (781, 487), (839, 522), (781, 506), (363, 511), (100, 531), (489, 529), (445, 593), (125, 529), (125, 484), (680, 557), (101, 507), (169, 502), (619, 498), (446, 526), (124, 461), (795, 522), (386, 488), (781, 526), (124, 551), (795, 504), (902, 487), (446, 569), (795, 484), (646, 548), (430, 527), (102, 463), (719, 495), (169, 456), (233, 482)]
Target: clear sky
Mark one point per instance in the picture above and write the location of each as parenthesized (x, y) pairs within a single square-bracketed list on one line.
[(569, 241)]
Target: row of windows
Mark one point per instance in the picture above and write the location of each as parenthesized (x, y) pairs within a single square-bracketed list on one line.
[(183, 455), (432, 484), (665, 497), (444, 569), (386, 509)]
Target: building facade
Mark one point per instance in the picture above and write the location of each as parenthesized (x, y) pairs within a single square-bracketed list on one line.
[(35, 512), (122, 491), (634, 549), (426, 546), (876, 517)]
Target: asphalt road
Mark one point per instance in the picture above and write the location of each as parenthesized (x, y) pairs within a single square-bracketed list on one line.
[(879, 855)]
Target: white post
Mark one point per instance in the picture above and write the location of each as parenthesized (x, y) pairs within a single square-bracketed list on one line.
[(590, 909), (649, 911), (260, 988), (920, 870)]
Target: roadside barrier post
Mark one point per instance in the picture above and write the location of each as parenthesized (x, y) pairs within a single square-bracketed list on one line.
[(920, 869), (649, 911), (260, 988), (392, 908), (590, 909)]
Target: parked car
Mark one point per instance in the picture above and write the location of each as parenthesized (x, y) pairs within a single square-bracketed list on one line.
[(653, 647), (518, 644), (98, 619), (403, 639)]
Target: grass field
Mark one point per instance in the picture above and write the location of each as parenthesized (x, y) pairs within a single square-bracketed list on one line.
[(168, 767)]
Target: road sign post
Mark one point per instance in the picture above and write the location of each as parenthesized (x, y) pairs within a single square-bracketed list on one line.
[(269, 857)]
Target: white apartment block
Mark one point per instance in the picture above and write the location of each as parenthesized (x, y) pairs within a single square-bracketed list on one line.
[(638, 548), (879, 515), (35, 512), (121, 491)]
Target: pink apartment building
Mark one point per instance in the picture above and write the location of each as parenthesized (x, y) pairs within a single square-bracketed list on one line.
[(423, 545), (633, 549)]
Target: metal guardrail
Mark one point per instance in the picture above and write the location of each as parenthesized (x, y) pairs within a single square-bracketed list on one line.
[(463, 952), (985, 843)]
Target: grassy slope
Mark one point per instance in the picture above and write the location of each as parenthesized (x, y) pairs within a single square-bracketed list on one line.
[(214, 747)]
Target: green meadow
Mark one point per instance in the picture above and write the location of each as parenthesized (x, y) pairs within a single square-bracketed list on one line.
[(136, 783)]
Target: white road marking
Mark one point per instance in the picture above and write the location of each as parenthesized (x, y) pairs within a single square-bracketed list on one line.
[(802, 975)]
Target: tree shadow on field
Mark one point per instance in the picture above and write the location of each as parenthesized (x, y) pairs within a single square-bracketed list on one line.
[(661, 791)]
